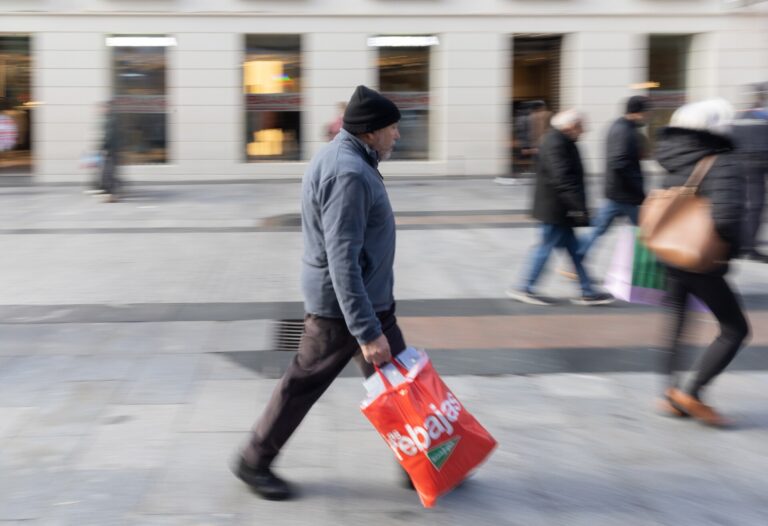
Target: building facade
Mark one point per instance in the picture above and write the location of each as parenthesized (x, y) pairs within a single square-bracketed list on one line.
[(246, 89)]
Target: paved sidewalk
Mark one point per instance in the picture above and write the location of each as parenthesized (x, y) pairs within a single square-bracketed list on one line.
[(137, 347), (144, 437)]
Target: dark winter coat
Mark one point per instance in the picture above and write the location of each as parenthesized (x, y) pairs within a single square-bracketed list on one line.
[(624, 178), (110, 141), (678, 150), (559, 197)]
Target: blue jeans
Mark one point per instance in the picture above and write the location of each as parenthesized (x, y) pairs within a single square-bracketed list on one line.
[(556, 236), (610, 211)]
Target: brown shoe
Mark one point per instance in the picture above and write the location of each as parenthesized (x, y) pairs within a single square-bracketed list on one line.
[(664, 406), (696, 409)]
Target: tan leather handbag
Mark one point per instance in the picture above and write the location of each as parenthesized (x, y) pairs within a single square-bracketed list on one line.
[(677, 226)]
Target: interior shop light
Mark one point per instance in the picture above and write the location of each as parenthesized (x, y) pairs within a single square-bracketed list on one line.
[(141, 41), (403, 41), (645, 85)]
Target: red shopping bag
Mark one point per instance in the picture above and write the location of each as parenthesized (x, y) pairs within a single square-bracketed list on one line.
[(432, 435)]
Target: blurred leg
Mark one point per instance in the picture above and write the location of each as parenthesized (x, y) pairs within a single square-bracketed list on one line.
[(325, 349), (571, 244), (550, 238), (605, 217), (753, 214), (716, 294), (676, 301)]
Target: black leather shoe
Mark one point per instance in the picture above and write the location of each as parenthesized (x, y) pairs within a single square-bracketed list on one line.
[(262, 481), (406, 481)]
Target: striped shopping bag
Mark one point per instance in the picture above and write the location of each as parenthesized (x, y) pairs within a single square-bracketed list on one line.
[(635, 275)]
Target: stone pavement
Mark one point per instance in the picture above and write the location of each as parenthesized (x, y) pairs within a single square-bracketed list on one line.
[(137, 347)]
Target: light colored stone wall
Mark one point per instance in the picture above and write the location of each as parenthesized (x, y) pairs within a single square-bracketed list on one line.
[(604, 52)]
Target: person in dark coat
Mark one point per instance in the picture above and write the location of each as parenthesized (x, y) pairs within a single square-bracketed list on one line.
[(751, 135), (347, 280), (110, 149), (560, 204), (624, 189), (698, 130)]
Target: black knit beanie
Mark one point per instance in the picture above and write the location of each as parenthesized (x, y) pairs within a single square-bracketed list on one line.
[(638, 104), (368, 111)]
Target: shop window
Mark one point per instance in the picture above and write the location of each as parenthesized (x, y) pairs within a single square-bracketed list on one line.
[(16, 105), (535, 96), (667, 71), (272, 88), (403, 65), (139, 97)]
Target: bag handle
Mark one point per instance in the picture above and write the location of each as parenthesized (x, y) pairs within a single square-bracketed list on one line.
[(401, 368), (700, 170)]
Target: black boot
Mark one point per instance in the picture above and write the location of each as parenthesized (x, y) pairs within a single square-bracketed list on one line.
[(262, 481)]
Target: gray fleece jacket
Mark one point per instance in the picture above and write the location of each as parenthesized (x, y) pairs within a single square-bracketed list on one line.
[(349, 237)]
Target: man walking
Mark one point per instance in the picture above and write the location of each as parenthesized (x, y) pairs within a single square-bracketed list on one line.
[(560, 204), (110, 147), (347, 279), (624, 189), (751, 136)]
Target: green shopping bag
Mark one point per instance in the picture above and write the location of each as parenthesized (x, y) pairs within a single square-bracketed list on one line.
[(635, 275)]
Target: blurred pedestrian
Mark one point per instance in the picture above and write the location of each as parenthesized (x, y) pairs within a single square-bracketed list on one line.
[(532, 123), (347, 279), (624, 188), (560, 204), (751, 135), (109, 183), (334, 127), (696, 131), (538, 125)]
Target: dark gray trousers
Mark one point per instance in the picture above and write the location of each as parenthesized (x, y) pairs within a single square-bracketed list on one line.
[(109, 181), (326, 347), (718, 296)]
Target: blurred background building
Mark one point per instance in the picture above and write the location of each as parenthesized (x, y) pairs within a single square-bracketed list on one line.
[(227, 89)]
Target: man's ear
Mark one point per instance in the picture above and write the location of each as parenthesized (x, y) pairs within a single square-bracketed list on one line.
[(366, 137)]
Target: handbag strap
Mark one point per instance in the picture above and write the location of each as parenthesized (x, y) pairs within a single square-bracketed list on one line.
[(700, 170)]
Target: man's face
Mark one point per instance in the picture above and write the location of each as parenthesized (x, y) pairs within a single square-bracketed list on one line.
[(576, 130), (639, 117), (383, 140)]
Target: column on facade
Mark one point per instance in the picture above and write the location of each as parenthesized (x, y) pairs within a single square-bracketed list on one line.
[(205, 103), (474, 94), (737, 59), (70, 82), (333, 64), (205, 99), (598, 71)]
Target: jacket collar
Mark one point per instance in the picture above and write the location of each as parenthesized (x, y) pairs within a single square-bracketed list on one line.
[(564, 135), (369, 154)]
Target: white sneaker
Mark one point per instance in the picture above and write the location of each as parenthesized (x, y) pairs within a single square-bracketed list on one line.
[(529, 297)]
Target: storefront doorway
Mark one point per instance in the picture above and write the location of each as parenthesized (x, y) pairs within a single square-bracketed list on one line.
[(535, 95), (667, 72), (16, 105)]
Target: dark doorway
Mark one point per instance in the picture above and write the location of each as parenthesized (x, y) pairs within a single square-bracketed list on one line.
[(535, 96)]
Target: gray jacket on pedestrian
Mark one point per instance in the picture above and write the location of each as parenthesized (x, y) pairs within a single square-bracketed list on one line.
[(349, 237)]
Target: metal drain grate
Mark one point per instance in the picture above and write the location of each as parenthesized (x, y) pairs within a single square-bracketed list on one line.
[(288, 335)]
